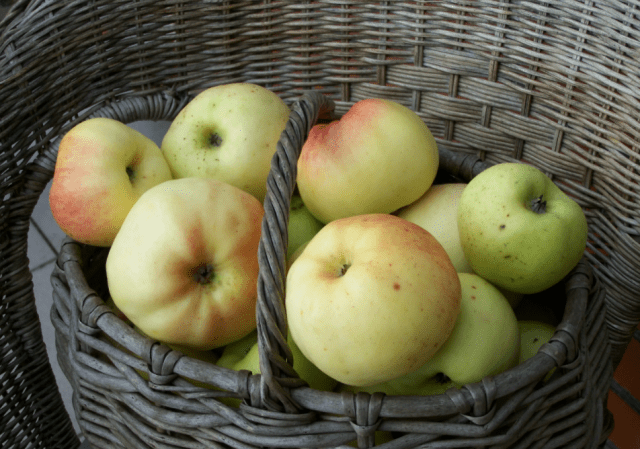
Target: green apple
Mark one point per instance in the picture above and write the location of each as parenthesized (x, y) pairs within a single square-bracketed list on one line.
[(437, 212), (379, 157), (102, 168), (371, 297), (244, 355), (485, 341), (184, 266), (518, 229), (295, 255), (533, 334), (302, 225), (227, 132)]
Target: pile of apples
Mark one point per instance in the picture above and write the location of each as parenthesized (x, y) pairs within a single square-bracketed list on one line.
[(394, 283)]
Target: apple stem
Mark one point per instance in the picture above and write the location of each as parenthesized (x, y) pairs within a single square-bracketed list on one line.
[(204, 274), (538, 205), (344, 269), (215, 140)]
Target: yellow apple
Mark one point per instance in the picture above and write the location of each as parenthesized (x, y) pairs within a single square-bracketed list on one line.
[(184, 266), (371, 297), (227, 132), (379, 157), (102, 168), (437, 212)]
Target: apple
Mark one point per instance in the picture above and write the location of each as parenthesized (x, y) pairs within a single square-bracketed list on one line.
[(371, 297), (184, 266), (533, 334), (518, 230), (116, 311), (244, 355), (437, 212), (227, 132), (302, 224), (379, 157), (295, 255), (102, 168), (485, 341)]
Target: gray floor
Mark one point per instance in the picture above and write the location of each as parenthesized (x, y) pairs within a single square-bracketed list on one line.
[(45, 238)]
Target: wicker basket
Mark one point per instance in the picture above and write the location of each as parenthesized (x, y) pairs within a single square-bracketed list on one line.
[(553, 85)]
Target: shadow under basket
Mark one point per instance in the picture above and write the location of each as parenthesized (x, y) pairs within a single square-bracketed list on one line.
[(131, 391)]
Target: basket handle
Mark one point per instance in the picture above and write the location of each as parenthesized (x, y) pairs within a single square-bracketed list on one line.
[(276, 360)]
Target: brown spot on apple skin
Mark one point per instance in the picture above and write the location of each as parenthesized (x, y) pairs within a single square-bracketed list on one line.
[(396, 286)]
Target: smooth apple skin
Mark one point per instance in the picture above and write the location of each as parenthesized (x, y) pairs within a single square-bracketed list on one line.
[(485, 340), (371, 297), (227, 132), (509, 244), (533, 334), (184, 266), (437, 212), (379, 157), (102, 168), (302, 225)]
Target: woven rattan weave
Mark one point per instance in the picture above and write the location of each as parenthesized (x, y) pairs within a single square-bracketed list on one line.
[(553, 84)]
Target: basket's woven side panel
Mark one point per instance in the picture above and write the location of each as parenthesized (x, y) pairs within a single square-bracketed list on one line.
[(32, 414)]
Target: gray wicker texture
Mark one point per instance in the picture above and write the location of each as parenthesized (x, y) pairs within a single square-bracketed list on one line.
[(553, 84)]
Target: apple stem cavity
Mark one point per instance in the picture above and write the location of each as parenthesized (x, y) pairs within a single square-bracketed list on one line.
[(538, 205), (442, 378), (215, 140), (131, 174), (344, 268), (204, 274)]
